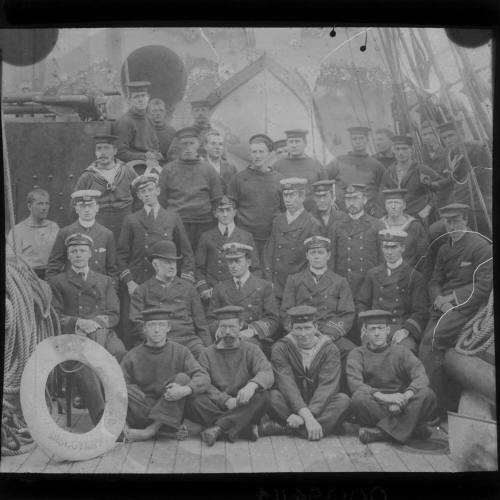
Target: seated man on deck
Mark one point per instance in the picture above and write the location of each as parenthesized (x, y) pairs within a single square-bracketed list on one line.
[(187, 319), (390, 390), (163, 380), (307, 401), (260, 319), (87, 305), (241, 376)]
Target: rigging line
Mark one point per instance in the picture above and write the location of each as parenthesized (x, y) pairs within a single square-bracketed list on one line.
[(342, 44), (209, 43), (359, 87)]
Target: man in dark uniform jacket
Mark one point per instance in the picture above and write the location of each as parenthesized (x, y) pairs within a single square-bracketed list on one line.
[(214, 146), (257, 192), (188, 185), (407, 174), (164, 382), (357, 167), (298, 164), (284, 253), (164, 131), (211, 266), (382, 140), (87, 304), (137, 138), (241, 377), (112, 178), (103, 259), (390, 393), (260, 316), (329, 293), (307, 368), (326, 210), (165, 290), (355, 244), (397, 287), (461, 283), (417, 242)]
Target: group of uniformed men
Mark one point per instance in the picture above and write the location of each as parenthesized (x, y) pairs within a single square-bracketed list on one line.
[(285, 298)]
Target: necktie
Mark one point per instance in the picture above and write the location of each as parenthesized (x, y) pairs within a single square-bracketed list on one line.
[(226, 232), (151, 215), (82, 275), (238, 285)]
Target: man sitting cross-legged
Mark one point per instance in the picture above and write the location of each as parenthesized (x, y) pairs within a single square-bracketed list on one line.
[(260, 317), (390, 389), (165, 289), (241, 376), (163, 380), (307, 368)]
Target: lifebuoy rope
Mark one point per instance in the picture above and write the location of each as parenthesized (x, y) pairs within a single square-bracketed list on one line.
[(478, 333), (29, 318)]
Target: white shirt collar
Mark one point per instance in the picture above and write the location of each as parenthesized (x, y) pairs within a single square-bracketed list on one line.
[(154, 207), (318, 272), (290, 218), (85, 270), (358, 215), (87, 224), (243, 279), (230, 228), (216, 164)]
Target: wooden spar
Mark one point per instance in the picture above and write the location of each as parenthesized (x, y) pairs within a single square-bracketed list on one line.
[(462, 148)]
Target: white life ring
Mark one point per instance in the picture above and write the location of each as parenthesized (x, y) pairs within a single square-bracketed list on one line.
[(65, 445)]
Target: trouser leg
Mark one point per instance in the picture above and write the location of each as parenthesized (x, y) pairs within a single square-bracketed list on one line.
[(368, 411), (139, 407), (334, 413), (202, 410), (278, 409), (193, 343), (345, 346), (89, 388), (264, 346), (125, 327)]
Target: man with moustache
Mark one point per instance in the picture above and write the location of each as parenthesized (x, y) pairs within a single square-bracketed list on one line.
[(112, 178), (390, 389), (188, 185), (326, 210), (241, 377), (214, 146), (164, 131), (257, 192)]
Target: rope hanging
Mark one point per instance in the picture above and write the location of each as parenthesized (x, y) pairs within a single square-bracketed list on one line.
[(478, 333)]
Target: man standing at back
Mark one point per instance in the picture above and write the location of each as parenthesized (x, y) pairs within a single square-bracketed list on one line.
[(357, 167), (135, 131), (188, 185), (298, 164), (214, 146), (382, 139), (164, 131)]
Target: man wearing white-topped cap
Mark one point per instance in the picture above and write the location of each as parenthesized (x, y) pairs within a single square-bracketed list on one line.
[(103, 259), (284, 252)]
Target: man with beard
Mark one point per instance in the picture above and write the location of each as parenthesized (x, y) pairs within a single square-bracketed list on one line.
[(461, 283), (326, 210), (103, 259), (35, 235), (187, 319), (355, 244), (164, 131), (214, 146), (398, 288), (257, 192), (298, 164), (260, 315), (188, 185), (307, 368), (112, 178), (284, 253), (357, 167), (390, 393), (137, 138), (382, 139), (407, 174), (241, 377)]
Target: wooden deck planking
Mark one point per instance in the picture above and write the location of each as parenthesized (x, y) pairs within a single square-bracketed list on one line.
[(238, 457), (213, 458), (14, 462), (335, 455), (311, 456), (138, 457), (414, 462), (287, 455), (442, 463), (85, 466), (387, 458), (360, 455), (113, 461), (262, 455), (162, 459), (188, 458)]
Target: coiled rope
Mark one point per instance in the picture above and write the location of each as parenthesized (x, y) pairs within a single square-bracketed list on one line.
[(478, 333), (29, 319)]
